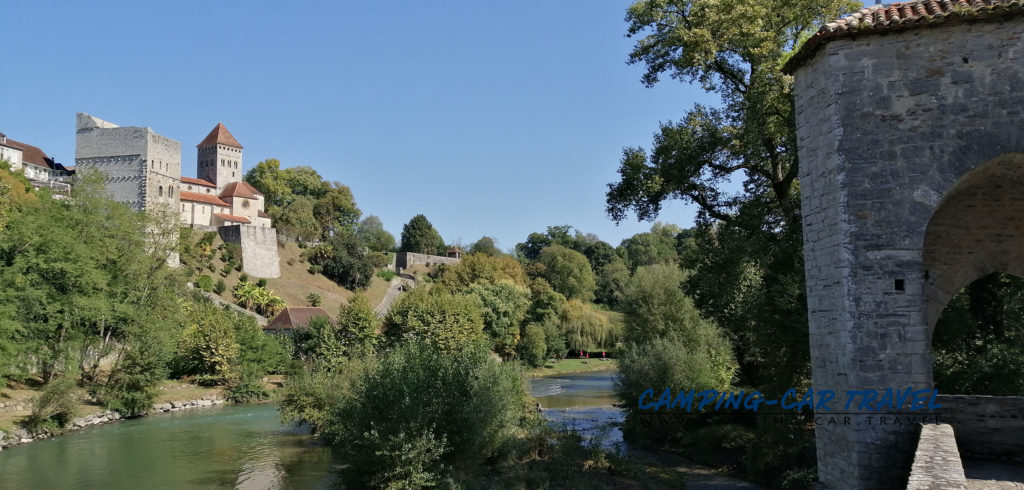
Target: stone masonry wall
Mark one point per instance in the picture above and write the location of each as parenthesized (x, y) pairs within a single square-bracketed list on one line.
[(937, 461), (887, 125), (259, 248), (406, 259), (986, 426)]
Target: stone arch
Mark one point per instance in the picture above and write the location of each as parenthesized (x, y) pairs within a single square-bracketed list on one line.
[(977, 229)]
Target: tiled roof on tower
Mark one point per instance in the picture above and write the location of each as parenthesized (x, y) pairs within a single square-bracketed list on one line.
[(903, 15), (219, 136)]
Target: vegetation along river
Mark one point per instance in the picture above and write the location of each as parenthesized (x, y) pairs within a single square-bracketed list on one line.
[(246, 446)]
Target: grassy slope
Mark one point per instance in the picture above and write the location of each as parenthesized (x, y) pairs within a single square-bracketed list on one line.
[(567, 366), (296, 282)]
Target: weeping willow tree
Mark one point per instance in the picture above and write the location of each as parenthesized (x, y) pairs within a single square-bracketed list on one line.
[(587, 329)]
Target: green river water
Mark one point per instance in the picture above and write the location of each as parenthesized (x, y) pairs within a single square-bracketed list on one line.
[(243, 446)]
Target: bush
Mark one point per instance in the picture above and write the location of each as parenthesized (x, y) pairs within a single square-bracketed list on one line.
[(455, 409), (220, 286), (205, 283), (56, 404), (386, 274), (248, 386), (243, 278), (316, 269), (533, 347), (228, 267), (261, 282)]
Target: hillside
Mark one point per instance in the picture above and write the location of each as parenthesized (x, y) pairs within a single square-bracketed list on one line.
[(296, 282)]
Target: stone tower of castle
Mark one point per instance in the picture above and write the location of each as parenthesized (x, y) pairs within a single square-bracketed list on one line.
[(219, 158), (142, 168)]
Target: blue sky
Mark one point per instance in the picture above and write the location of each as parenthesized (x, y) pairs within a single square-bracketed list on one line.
[(490, 119)]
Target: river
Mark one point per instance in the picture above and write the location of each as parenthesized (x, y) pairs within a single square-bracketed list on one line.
[(246, 446)]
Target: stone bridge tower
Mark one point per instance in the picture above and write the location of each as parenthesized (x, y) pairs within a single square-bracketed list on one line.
[(910, 122), (219, 158)]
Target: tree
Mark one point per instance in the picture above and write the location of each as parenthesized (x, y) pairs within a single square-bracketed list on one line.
[(447, 320), (599, 254), (207, 344), (485, 245), (358, 325), (655, 247), (735, 50), (349, 264), (336, 210), (656, 307), (267, 178), (314, 299), (372, 233), (296, 219), (554, 235), (477, 268), (504, 308), (419, 236), (584, 328), (568, 272), (611, 283)]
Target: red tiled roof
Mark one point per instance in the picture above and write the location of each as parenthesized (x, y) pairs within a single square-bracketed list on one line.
[(190, 180), (901, 16), (219, 136), (296, 316), (231, 217), (261, 214), (207, 198), (33, 155), (240, 189)]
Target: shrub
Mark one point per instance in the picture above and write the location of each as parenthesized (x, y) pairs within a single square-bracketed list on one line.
[(248, 386), (316, 269), (205, 283), (386, 274), (261, 282), (243, 278), (455, 409), (238, 267), (228, 267), (55, 404), (220, 286), (533, 347), (314, 299)]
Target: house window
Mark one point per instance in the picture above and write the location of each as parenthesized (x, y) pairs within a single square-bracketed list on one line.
[(161, 191)]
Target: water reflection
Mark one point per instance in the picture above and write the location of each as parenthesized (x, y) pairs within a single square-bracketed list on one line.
[(583, 403), (233, 446)]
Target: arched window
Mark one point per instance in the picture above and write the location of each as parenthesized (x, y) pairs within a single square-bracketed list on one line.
[(161, 191), (170, 191)]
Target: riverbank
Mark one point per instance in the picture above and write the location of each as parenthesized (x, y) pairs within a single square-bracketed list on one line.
[(573, 366), (19, 436)]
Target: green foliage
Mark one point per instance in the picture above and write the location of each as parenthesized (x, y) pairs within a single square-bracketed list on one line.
[(568, 272), (655, 306), (349, 264), (447, 320), (257, 350), (316, 269), (386, 274), (583, 328), (80, 276), (314, 299), (205, 283), (655, 247), (482, 268), (207, 345), (485, 245), (336, 211), (248, 386), (297, 220), (131, 388), (472, 406), (358, 325), (57, 403), (220, 286), (371, 233), (311, 395), (533, 348), (612, 280), (322, 347), (261, 282), (255, 298), (978, 340), (419, 236), (504, 308)]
